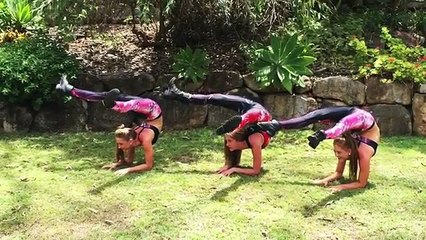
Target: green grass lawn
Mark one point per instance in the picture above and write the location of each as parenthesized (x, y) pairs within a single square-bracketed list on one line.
[(52, 187)]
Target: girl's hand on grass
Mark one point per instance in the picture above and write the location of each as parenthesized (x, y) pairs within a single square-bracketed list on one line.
[(320, 182), (110, 166), (336, 189), (222, 169), (122, 172), (228, 172)]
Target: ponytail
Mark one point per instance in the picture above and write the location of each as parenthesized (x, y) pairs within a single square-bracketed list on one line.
[(125, 133)]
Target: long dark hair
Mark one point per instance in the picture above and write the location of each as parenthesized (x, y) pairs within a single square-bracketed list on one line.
[(348, 141), (232, 158), (124, 133)]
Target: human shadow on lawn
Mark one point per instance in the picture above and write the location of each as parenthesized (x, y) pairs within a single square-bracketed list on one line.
[(70, 151), (285, 182), (221, 194), (310, 210), (287, 178), (192, 171), (103, 186), (87, 150)]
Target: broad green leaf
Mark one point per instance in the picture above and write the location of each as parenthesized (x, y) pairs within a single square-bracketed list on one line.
[(284, 40), (265, 71), (302, 70), (259, 64), (295, 53), (288, 85), (289, 69), (281, 74), (273, 76), (303, 61), (267, 57), (290, 45), (278, 45)]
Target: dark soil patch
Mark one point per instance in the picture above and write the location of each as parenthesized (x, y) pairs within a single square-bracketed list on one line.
[(115, 48)]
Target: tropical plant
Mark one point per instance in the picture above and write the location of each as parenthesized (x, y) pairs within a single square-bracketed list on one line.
[(15, 14), (282, 63), (394, 61), (191, 64)]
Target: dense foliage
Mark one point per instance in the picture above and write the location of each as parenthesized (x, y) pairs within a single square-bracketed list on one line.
[(191, 64), (30, 68), (282, 63), (15, 14), (326, 27), (394, 60)]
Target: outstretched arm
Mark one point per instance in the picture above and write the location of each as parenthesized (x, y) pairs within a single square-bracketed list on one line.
[(146, 138), (256, 141), (340, 168)]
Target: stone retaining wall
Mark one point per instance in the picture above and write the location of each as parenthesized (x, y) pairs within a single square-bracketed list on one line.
[(400, 109)]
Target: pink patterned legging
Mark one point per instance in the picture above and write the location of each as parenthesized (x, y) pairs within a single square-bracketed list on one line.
[(346, 119), (358, 120), (124, 103)]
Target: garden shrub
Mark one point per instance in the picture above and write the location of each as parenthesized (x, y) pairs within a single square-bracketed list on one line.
[(282, 63), (394, 61), (29, 70), (17, 15), (191, 64)]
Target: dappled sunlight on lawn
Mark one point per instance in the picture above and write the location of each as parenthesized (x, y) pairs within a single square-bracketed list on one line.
[(51, 186)]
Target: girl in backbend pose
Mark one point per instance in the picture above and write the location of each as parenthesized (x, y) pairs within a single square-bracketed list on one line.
[(240, 131), (347, 119), (143, 112)]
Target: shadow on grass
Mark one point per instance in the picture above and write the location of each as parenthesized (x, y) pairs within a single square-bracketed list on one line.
[(69, 148), (310, 210), (187, 147), (285, 182), (193, 171), (221, 194), (103, 186), (92, 150)]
